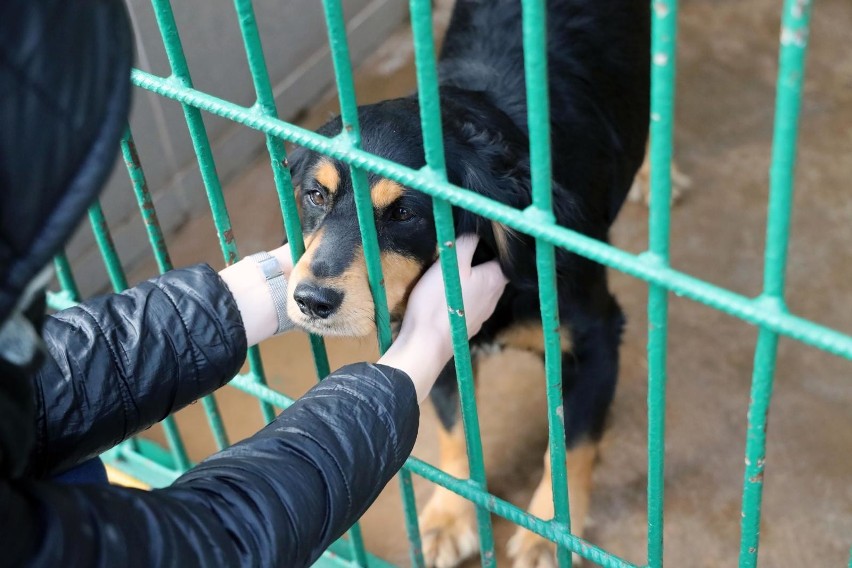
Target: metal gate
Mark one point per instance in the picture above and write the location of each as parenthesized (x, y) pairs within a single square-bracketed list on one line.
[(159, 466)]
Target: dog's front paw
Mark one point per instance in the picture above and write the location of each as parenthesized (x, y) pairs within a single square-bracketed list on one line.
[(448, 530), (529, 550), (640, 191)]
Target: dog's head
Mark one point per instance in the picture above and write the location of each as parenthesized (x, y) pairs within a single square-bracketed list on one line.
[(328, 292)]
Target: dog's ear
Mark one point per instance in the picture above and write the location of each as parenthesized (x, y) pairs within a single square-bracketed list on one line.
[(480, 159), (488, 171)]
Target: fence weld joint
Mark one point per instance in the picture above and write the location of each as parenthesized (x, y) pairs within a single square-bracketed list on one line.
[(771, 304), (539, 215), (652, 258)]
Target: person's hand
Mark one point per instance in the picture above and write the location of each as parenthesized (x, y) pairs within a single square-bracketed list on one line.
[(482, 286), (424, 344)]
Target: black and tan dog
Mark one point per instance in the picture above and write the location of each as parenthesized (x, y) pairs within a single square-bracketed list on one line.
[(598, 61)]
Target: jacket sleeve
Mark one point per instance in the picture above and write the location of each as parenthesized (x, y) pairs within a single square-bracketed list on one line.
[(278, 498), (122, 362)]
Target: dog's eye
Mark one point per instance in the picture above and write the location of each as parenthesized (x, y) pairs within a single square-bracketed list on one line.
[(316, 197), (401, 214)]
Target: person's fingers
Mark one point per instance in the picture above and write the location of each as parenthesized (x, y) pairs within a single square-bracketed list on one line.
[(465, 247), (482, 290), (487, 282), (490, 273)]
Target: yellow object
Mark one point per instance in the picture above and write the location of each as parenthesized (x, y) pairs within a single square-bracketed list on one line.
[(117, 477)]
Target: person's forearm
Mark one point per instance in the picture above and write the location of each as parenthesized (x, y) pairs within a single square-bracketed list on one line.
[(421, 360), (337, 447), (122, 362), (252, 295)]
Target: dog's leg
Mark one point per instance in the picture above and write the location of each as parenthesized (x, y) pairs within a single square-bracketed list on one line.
[(640, 191), (589, 375), (532, 551), (448, 522)]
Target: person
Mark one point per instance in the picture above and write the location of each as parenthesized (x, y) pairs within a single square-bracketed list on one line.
[(82, 380)]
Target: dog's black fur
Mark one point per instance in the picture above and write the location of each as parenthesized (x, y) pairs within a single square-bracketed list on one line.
[(598, 68)]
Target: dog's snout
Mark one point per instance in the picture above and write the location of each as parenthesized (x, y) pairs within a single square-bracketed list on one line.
[(317, 301)]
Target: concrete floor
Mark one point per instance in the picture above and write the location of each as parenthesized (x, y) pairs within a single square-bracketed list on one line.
[(726, 75)]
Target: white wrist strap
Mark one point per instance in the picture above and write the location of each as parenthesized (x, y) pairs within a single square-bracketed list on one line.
[(277, 284)]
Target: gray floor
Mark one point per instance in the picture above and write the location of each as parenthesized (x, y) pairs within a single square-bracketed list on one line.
[(726, 73)]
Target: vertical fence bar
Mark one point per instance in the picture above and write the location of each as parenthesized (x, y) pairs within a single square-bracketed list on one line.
[(100, 229), (350, 134), (265, 105), (104, 241), (663, 68), (207, 167), (66, 277), (197, 131), (164, 263), (538, 118), (791, 70), (433, 145), (412, 529), (146, 204), (258, 375)]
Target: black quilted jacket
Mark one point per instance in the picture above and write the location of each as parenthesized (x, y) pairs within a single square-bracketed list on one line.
[(117, 364), (122, 362)]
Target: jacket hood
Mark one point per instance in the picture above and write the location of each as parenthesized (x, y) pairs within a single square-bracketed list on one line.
[(64, 100)]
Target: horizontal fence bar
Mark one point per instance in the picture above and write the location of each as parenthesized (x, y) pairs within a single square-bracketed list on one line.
[(547, 529), (644, 266), (247, 383)]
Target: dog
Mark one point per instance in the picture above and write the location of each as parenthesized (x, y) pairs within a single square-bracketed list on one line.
[(598, 68)]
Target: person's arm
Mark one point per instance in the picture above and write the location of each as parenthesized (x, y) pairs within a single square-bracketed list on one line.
[(122, 362), (278, 498), (423, 346), (284, 495)]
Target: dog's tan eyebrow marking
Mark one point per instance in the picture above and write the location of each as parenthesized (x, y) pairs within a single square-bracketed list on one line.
[(385, 192), (327, 175)]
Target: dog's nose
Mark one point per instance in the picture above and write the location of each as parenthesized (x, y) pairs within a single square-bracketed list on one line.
[(317, 301)]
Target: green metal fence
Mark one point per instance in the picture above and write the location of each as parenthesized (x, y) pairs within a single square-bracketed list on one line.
[(159, 466)]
